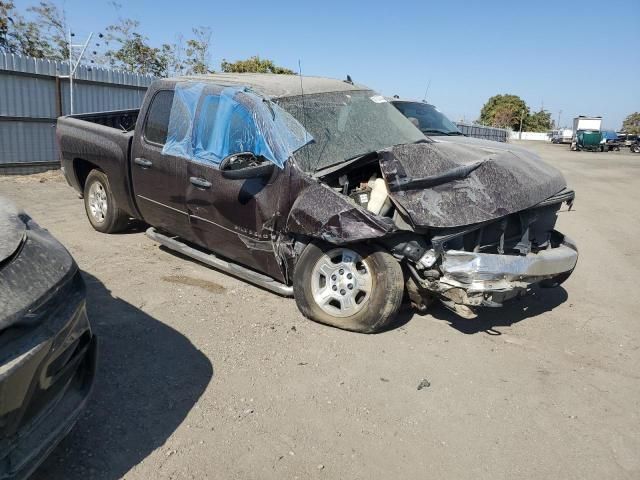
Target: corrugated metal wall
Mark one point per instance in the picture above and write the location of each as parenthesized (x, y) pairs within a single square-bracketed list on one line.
[(32, 96), (480, 131)]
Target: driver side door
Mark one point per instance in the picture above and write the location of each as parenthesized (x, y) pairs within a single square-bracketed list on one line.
[(234, 218)]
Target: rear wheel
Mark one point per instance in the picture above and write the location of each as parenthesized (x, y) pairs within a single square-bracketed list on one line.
[(356, 288), (101, 208)]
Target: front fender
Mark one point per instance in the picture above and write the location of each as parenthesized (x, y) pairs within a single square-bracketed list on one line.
[(322, 213)]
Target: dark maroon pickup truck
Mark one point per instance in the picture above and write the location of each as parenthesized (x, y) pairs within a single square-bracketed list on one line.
[(321, 189)]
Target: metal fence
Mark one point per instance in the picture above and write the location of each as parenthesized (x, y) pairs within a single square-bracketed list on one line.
[(480, 131), (33, 95)]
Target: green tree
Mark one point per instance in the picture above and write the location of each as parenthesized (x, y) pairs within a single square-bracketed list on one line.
[(7, 10), (538, 122), (21, 36), (254, 64), (504, 111), (135, 55), (53, 29), (43, 33), (631, 124), (128, 49), (198, 52)]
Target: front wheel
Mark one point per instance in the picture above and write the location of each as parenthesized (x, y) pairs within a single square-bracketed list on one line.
[(357, 288)]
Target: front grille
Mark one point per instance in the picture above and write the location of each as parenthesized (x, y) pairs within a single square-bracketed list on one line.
[(516, 234)]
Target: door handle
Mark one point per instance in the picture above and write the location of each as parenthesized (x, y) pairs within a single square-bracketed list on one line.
[(200, 182), (143, 162)]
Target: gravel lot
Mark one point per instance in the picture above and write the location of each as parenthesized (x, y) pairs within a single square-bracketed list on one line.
[(204, 376)]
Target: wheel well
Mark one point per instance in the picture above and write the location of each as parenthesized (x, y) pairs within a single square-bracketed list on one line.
[(81, 169)]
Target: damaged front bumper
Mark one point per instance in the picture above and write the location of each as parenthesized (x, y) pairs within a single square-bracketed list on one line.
[(486, 272), (474, 279)]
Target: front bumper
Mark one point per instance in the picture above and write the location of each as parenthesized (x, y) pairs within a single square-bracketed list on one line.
[(482, 279), (483, 272)]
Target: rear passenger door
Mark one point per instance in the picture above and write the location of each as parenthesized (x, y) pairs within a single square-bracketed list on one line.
[(158, 179)]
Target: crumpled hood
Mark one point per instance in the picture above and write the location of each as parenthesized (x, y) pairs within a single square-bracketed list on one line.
[(445, 184), (12, 229)]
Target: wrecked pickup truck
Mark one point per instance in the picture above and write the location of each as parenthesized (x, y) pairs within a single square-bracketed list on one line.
[(320, 189)]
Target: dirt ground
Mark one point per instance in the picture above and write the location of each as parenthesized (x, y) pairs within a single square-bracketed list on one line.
[(204, 376)]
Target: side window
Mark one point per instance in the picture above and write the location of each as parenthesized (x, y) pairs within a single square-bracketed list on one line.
[(243, 134), (223, 127), (205, 146), (157, 123)]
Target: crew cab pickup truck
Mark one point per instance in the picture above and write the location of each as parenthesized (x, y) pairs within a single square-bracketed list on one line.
[(321, 189)]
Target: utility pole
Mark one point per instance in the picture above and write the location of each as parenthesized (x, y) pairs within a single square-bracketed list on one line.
[(521, 118), (558, 124), (74, 64)]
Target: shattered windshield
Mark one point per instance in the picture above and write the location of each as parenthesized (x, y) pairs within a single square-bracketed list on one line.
[(345, 125), (427, 118)]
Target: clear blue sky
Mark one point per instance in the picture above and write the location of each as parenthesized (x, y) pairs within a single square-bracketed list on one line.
[(581, 57)]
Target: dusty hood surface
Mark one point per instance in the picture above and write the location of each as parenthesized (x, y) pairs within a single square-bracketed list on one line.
[(444, 184), (12, 229)]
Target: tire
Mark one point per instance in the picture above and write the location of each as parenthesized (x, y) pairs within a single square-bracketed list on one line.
[(372, 302), (100, 206)]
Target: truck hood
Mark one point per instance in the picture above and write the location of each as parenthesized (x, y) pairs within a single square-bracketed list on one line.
[(445, 184), (12, 229)]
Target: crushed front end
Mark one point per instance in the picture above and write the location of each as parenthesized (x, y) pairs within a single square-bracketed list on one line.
[(489, 263)]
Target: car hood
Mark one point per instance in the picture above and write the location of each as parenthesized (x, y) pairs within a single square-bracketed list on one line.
[(12, 229), (446, 184)]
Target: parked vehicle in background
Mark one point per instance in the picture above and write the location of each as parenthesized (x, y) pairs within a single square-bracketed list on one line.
[(588, 140), (635, 146), (563, 135), (609, 141), (586, 134), (333, 196), (587, 123), (47, 350), (433, 123), (428, 119), (627, 139)]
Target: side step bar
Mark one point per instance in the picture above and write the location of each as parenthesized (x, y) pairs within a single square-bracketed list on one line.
[(234, 269)]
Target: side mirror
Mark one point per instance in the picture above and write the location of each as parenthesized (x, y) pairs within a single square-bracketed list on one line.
[(245, 165)]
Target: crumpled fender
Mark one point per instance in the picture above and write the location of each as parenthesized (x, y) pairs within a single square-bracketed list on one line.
[(320, 212)]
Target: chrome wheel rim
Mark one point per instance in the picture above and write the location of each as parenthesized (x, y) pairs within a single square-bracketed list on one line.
[(98, 202), (341, 282)]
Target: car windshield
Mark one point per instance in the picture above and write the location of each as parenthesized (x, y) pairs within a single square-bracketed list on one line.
[(346, 125), (427, 118)]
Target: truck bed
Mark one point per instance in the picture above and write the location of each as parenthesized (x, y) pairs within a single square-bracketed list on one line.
[(103, 141), (124, 120)]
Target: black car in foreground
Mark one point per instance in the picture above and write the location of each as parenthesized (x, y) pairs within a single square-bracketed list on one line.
[(47, 350)]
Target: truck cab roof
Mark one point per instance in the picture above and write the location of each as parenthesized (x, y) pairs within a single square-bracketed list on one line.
[(273, 85)]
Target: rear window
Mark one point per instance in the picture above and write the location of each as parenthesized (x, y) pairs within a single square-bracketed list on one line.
[(156, 126)]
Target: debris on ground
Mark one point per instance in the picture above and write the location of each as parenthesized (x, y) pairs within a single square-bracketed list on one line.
[(424, 383)]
